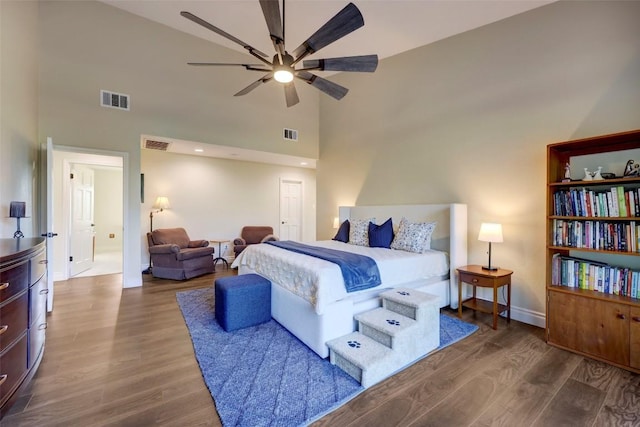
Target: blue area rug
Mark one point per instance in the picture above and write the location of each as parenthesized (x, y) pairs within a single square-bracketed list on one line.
[(264, 376)]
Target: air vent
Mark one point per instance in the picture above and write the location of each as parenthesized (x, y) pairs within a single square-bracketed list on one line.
[(114, 100), (290, 134), (156, 145)]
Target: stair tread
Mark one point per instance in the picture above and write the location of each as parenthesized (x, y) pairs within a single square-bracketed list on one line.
[(409, 297), (360, 350), (387, 321)]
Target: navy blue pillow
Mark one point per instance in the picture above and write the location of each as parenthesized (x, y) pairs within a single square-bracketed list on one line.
[(381, 236), (343, 232)]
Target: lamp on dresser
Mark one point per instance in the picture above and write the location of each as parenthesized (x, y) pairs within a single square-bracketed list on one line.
[(492, 233), (18, 210)]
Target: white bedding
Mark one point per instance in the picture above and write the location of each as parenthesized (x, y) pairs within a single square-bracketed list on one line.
[(320, 282)]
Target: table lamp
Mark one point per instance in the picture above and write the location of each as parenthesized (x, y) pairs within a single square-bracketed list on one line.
[(17, 210), (492, 233)]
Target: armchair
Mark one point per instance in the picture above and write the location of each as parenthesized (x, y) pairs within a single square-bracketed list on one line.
[(250, 235), (175, 256)]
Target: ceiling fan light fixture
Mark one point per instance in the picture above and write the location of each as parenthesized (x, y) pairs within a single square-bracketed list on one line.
[(282, 68), (283, 75)]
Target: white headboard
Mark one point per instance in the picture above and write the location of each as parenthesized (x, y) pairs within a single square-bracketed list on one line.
[(449, 236)]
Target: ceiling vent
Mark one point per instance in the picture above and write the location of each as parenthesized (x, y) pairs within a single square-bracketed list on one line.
[(290, 134), (114, 100), (150, 144)]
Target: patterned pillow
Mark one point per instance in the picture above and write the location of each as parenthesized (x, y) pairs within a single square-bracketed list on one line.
[(413, 236), (359, 231)]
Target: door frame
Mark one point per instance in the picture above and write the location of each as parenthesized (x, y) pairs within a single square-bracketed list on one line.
[(74, 155)]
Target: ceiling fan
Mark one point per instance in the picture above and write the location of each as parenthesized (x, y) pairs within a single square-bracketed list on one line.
[(282, 67)]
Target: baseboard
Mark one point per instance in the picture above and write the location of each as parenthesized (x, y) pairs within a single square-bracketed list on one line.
[(525, 315), (520, 314), (529, 317)]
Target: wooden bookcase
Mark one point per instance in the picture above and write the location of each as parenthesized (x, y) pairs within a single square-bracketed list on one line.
[(595, 323)]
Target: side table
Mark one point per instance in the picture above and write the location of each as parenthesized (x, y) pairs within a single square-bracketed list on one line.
[(476, 276), (219, 257)]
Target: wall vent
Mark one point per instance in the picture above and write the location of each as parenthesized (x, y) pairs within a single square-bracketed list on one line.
[(290, 134), (114, 100), (150, 144)]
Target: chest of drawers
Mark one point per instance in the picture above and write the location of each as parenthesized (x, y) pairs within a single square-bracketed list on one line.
[(23, 294)]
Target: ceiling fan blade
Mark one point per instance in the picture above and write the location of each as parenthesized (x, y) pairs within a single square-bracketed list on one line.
[(344, 22), (291, 94), (364, 63), (252, 86), (271, 12), (326, 86), (223, 33)]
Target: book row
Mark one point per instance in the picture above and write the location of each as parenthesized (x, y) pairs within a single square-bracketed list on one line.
[(615, 202), (595, 276), (597, 235)]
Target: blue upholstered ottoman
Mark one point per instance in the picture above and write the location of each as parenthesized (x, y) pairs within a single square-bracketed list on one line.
[(242, 301)]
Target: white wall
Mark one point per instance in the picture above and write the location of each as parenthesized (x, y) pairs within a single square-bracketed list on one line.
[(88, 46), (108, 209), (214, 198), (467, 119), (19, 115)]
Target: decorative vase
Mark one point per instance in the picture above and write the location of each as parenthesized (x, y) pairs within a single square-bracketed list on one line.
[(596, 174)]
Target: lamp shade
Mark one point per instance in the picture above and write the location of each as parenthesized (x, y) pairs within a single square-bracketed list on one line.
[(17, 209), (161, 203), (336, 222), (490, 232)]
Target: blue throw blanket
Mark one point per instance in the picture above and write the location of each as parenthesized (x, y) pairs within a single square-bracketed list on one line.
[(359, 271)]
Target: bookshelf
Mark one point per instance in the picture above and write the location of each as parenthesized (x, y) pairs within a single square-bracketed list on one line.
[(593, 250)]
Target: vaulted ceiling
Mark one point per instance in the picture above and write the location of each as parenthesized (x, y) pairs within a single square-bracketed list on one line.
[(391, 26)]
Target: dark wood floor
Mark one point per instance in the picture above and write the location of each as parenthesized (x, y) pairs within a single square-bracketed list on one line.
[(124, 358)]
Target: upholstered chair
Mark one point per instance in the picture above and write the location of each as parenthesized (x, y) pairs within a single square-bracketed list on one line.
[(251, 235), (175, 256)]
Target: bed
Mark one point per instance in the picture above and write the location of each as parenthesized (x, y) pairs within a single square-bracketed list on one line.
[(308, 296)]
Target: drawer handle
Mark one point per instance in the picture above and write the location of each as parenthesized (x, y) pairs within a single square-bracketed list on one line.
[(44, 291), (42, 326), (474, 280), (4, 286), (636, 319), (3, 378), (44, 261), (621, 316), (3, 329)]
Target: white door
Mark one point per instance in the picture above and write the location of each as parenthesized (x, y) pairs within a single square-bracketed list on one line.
[(290, 210), (47, 222), (82, 227)]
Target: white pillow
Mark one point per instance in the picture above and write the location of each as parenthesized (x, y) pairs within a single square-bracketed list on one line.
[(359, 231), (413, 236)]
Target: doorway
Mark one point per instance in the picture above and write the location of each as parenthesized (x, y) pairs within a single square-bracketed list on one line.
[(290, 209), (88, 211)]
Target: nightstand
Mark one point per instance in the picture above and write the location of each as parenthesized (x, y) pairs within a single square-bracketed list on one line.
[(475, 276)]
